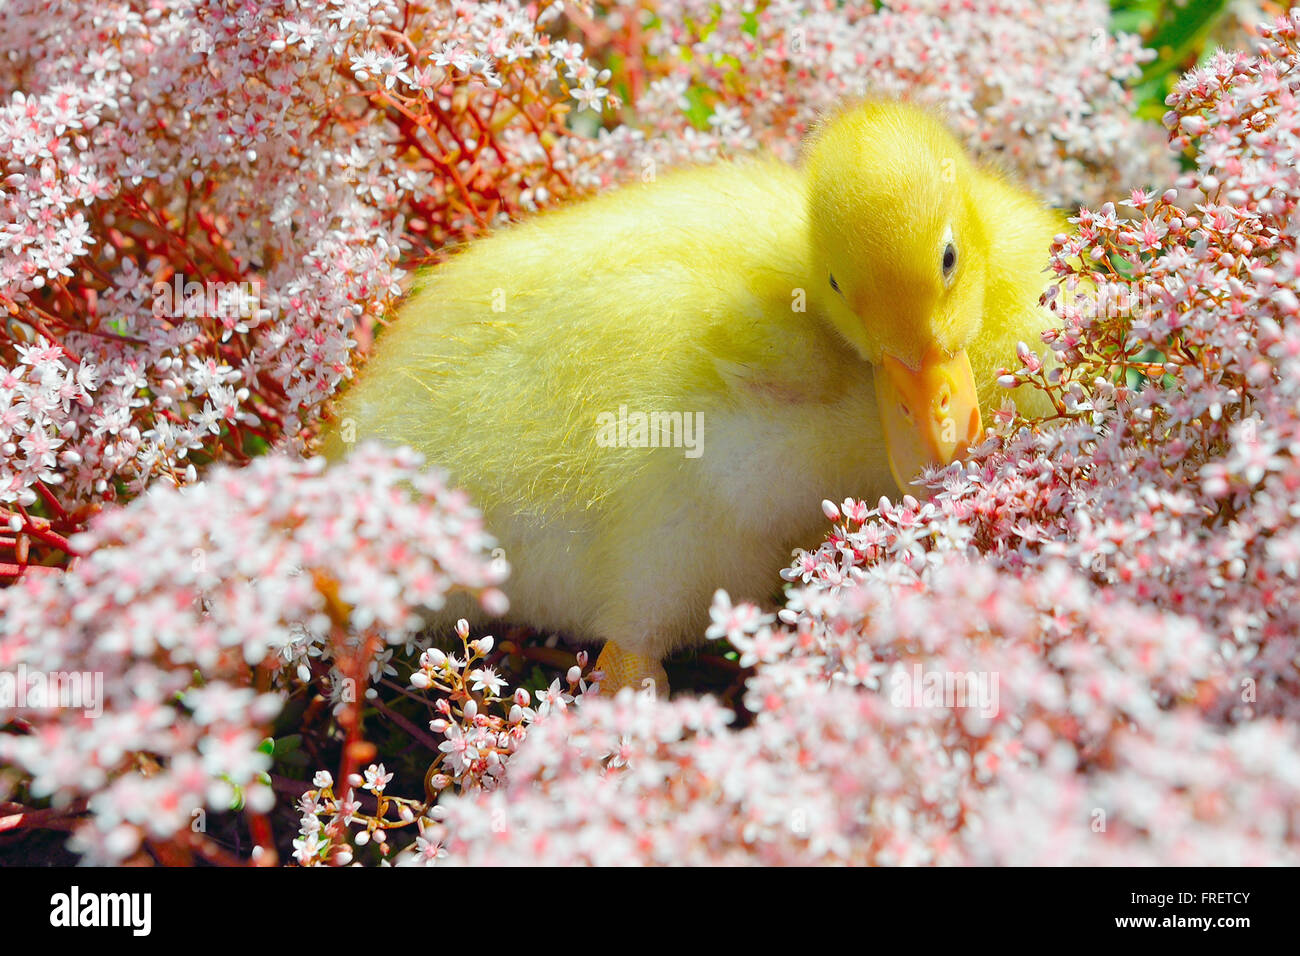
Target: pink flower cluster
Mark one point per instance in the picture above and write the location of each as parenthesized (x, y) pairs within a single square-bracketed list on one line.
[(1037, 89), (205, 206), (1081, 739), (482, 730), (278, 573)]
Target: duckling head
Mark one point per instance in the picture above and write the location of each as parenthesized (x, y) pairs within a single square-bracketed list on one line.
[(898, 236)]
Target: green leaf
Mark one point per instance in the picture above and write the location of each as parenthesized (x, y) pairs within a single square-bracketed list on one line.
[(700, 109), (287, 745)]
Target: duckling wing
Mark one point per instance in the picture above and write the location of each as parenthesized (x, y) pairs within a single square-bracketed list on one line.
[(682, 296)]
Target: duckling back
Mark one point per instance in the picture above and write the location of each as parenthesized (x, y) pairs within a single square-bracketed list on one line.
[(504, 357)]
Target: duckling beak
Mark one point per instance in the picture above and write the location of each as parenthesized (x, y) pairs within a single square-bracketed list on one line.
[(931, 414)]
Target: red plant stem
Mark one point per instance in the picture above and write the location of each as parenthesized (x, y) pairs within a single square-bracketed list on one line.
[(39, 323), (446, 165), (15, 816), (189, 197), (260, 828), (45, 534), (403, 40), (485, 129), (352, 664), (356, 672), (50, 500), (422, 736), (633, 63)]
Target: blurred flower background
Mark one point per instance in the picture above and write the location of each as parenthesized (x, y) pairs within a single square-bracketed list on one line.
[(1127, 572)]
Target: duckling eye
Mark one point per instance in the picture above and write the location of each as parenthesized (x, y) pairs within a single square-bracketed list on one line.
[(834, 285), (949, 260)]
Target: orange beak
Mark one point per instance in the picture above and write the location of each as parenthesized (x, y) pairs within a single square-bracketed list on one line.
[(931, 415)]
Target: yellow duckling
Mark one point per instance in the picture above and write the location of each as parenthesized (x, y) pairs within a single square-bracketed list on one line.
[(649, 393)]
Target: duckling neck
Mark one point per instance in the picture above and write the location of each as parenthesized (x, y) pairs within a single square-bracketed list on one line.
[(1018, 235)]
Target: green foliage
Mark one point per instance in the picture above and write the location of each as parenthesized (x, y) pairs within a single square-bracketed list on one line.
[(1181, 33)]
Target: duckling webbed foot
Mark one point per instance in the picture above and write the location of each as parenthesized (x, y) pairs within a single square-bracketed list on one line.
[(625, 669)]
